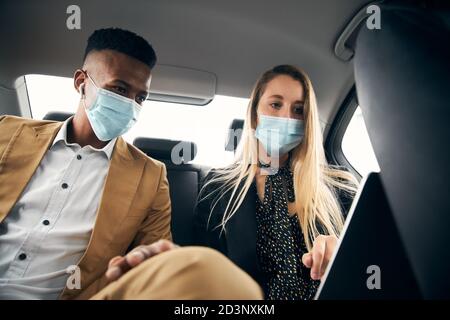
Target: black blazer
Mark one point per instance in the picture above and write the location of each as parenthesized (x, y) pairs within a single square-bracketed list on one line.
[(238, 242)]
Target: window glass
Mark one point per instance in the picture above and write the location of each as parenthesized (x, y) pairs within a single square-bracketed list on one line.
[(357, 147)]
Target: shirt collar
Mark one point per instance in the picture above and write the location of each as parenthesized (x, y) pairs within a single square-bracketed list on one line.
[(62, 136)]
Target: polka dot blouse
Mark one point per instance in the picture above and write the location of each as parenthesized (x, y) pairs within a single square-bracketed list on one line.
[(280, 243)]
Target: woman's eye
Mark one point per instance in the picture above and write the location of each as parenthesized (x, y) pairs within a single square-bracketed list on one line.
[(298, 110), (275, 105)]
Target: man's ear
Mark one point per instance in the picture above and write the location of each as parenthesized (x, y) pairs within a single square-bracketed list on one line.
[(79, 78)]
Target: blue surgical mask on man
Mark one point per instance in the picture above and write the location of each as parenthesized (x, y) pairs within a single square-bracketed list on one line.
[(111, 115), (279, 135)]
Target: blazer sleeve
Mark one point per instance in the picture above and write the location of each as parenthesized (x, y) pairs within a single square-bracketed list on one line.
[(156, 225), (206, 221)]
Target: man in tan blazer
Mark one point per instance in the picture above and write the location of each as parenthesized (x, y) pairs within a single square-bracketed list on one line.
[(75, 196)]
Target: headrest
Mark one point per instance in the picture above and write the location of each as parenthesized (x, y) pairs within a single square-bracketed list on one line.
[(58, 116), (402, 74), (234, 135), (162, 149)]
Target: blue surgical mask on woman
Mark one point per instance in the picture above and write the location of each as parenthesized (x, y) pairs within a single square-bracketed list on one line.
[(111, 115), (279, 135)]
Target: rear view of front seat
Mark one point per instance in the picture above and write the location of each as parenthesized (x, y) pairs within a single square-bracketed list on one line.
[(184, 181), (402, 74)]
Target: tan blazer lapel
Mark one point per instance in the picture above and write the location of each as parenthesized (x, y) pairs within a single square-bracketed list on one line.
[(120, 187), (21, 158)]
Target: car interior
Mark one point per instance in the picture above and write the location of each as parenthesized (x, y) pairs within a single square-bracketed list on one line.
[(382, 98)]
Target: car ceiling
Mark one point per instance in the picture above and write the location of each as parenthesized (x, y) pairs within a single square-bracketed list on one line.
[(235, 40)]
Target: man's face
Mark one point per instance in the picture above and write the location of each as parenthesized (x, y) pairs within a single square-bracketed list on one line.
[(116, 72)]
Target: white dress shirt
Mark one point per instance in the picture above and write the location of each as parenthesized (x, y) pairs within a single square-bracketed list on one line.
[(49, 227)]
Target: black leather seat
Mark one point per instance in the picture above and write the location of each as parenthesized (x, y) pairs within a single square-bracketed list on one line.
[(184, 178), (184, 181)]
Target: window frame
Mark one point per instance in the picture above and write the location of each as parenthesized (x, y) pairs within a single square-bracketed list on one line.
[(333, 142)]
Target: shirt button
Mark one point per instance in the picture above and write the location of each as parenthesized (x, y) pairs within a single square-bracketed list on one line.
[(45, 222), (79, 157), (64, 185), (22, 256)]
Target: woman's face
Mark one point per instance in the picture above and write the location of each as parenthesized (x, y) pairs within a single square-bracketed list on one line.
[(283, 97)]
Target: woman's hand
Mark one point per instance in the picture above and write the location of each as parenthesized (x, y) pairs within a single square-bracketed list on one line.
[(319, 257), (120, 265)]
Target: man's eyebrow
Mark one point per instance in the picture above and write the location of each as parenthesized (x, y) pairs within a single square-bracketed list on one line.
[(127, 85), (124, 83)]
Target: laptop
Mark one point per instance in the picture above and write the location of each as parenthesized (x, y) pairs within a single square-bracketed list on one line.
[(370, 261)]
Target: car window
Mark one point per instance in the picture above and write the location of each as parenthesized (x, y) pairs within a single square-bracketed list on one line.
[(357, 147), (205, 125)]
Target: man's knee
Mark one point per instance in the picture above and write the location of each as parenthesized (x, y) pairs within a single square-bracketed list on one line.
[(217, 277), (204, 258)]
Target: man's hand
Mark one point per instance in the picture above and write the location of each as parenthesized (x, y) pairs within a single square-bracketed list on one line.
[(319, 257), (120, 265)]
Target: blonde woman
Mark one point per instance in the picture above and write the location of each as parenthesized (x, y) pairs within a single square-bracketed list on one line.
[(278, 210)]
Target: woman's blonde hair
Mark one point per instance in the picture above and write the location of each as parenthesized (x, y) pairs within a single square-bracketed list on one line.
[(315, 182)]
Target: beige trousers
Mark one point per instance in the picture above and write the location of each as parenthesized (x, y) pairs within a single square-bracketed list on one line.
[(184, 273)]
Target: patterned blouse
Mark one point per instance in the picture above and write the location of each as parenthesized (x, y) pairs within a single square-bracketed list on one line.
[(280, 243)]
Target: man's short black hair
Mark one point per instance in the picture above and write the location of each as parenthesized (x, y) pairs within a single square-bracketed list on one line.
[(123, 41)]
